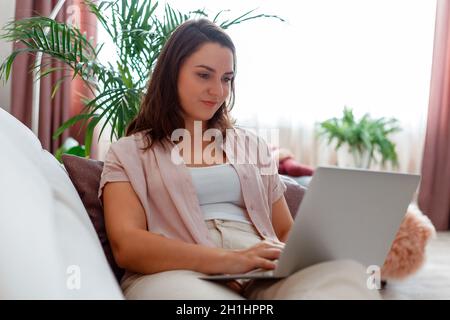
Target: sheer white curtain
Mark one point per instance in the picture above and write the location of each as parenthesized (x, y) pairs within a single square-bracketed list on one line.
[(372, 56)]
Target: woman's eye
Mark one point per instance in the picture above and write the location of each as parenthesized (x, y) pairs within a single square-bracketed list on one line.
[(203, 75), (227, 79)]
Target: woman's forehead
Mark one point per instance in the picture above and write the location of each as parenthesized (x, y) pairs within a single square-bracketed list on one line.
[(214, 56)]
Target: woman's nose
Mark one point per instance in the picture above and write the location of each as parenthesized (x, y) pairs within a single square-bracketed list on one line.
[(216, 89)]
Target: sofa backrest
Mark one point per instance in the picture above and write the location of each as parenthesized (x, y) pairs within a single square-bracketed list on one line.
[(48, 246), (294, 194)]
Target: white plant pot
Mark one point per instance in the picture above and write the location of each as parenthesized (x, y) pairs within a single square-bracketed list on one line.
[(347, 158)]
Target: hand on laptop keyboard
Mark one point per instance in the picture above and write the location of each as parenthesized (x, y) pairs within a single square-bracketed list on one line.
[(261, 270), (260, 256)]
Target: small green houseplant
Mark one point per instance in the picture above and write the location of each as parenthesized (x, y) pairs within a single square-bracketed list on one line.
[(367, 139)]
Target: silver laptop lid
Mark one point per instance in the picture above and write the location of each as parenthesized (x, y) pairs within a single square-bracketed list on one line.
[(347, 214)]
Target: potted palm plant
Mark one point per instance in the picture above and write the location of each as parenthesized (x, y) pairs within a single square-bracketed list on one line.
[(366, 139), (139, 36)]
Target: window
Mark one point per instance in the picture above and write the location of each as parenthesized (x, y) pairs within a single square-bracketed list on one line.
[(372, 56)]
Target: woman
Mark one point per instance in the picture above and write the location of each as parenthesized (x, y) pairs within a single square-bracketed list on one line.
[(175, 211)]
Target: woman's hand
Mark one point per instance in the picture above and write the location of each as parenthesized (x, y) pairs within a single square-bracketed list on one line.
[(261, 255)]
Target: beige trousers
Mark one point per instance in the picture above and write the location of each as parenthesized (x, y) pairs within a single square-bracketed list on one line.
[(340, 279)]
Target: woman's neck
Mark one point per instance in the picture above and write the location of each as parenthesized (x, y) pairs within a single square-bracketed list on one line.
[(196, 130), (195, 127)]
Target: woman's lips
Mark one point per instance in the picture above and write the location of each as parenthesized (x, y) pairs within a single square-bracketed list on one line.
[(210, 103)]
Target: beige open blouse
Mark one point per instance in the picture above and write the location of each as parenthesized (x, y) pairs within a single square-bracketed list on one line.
[(166, 192)]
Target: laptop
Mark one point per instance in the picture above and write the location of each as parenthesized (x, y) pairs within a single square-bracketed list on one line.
[(345, 214)]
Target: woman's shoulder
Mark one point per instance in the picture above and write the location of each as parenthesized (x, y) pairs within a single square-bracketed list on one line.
[(131, 143)]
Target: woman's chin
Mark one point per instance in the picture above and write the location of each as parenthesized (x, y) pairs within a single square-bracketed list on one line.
[(204, 117)]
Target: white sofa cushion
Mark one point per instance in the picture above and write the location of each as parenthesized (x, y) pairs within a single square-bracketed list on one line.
[(48, 246), (23, 138), (30, 265)]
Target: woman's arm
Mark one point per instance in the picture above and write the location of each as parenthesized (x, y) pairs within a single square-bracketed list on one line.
[(281, 219), (138, 250)]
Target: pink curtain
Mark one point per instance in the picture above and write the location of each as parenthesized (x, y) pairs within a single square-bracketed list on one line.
[(67, 101), (434, 195)]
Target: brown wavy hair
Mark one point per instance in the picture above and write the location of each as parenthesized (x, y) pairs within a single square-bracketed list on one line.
[(160, 112)]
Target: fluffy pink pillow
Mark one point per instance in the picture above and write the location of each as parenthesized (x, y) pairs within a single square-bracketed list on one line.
[(407, 253)]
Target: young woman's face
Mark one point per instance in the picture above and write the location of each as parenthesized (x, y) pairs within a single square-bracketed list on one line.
[(204, 81)]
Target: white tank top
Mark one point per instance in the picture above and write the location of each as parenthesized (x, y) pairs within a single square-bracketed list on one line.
[(219, 192)]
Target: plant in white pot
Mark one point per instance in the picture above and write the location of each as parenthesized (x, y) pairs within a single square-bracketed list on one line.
[(366, 139)]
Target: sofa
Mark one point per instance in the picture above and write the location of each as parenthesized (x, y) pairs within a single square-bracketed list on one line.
[(51, 246)]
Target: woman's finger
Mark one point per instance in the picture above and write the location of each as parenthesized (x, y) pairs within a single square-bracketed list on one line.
[(265, 264), (270, 253)]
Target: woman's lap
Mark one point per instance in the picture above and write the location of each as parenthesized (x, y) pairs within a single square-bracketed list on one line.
[(185, 284), (340, 279), (177, 285)]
